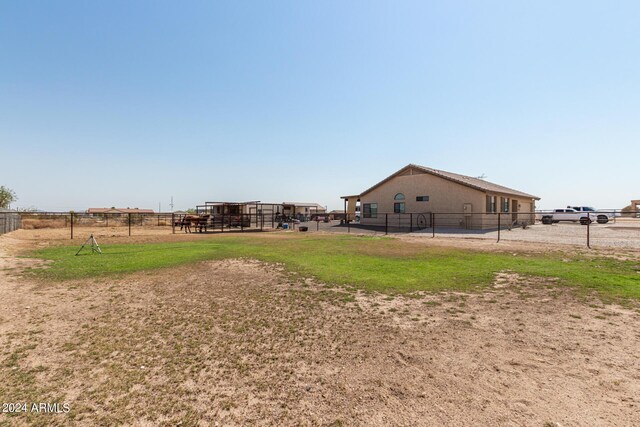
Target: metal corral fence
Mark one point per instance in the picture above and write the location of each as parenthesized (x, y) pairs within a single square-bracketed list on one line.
[(460, 222), (603, 228), (173, 222), (72, 220), (9, 221)]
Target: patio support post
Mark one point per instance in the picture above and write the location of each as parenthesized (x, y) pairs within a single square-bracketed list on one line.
[(433, 224)]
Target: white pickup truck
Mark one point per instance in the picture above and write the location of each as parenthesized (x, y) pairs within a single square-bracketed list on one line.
[(569, 214), (601, 217)]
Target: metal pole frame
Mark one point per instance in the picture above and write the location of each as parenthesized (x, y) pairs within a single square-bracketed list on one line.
[(433, 225), (71, 213), (498, 228), (129, 224), (346, 216)]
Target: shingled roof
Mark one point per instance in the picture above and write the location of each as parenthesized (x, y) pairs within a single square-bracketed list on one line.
[(477, 183)]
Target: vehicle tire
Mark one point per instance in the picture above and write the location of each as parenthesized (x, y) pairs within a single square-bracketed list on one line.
[(585, 221), (603, 219), (547, 220)]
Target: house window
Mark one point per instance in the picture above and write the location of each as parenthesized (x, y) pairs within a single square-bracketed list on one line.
[(422, 199), (370, 210), (398, 207), (491, 204), (505, 204)]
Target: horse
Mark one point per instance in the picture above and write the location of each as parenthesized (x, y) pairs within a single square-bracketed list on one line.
[(185, 222), (197, 221)]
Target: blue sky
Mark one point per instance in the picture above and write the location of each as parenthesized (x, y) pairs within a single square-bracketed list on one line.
[(127, 103)]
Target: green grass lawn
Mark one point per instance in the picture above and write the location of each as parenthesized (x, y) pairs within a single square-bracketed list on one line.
[(370, 263)]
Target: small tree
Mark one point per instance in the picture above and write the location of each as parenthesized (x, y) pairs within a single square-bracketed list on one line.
[(7, 196)]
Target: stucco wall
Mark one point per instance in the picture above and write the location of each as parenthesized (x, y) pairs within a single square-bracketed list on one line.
[(525, 213), (444, 196)]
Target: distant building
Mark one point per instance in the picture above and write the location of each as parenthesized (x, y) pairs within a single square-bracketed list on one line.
[(336, 214), (302, 210), (293, 209), (119, 211)]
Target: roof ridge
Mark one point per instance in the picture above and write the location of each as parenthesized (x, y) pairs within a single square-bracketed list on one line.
[(473, 182)]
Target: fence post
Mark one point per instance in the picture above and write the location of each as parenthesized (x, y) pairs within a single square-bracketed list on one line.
[(173, 223), (242, 222), (411, 223), (129, 224), (498, 227), (222, 222), (71, 225), (588, 231), (433, 225), (346, 215), (386, 223)]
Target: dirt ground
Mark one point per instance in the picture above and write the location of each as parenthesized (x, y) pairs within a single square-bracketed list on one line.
[(239, 342)]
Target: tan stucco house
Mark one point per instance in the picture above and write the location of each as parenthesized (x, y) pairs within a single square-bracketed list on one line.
[(458, 200)]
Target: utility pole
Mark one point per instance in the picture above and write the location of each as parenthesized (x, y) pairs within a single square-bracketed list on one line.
[(171, 204)]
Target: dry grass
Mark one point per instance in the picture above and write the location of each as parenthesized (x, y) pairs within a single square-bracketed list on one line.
[(38, 224)]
